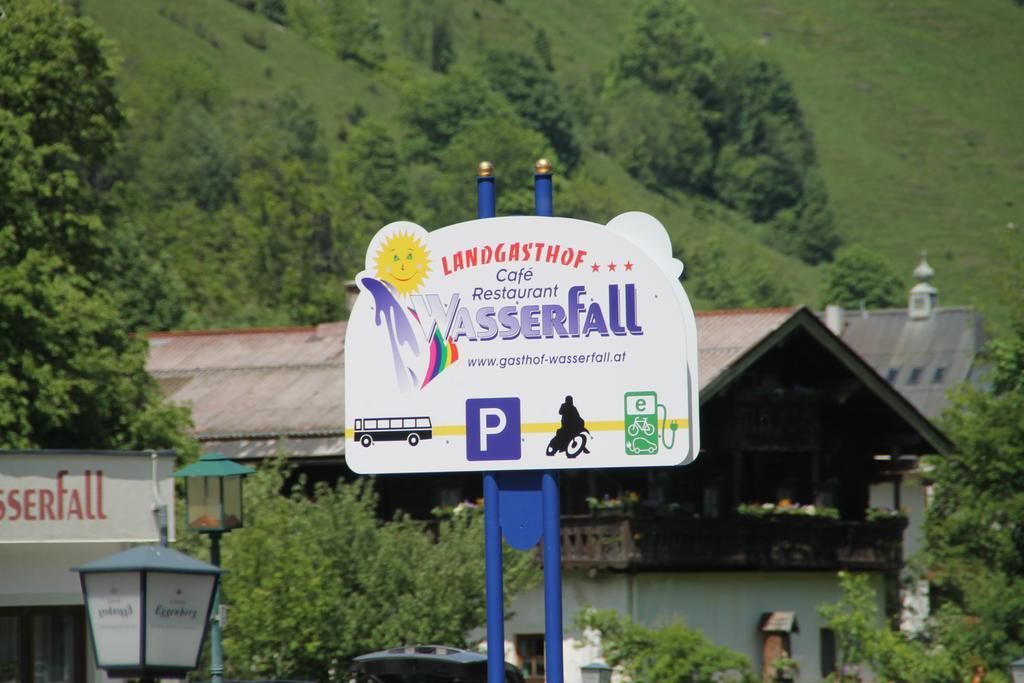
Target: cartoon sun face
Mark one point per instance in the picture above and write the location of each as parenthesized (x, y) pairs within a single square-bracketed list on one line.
[(404, 262)]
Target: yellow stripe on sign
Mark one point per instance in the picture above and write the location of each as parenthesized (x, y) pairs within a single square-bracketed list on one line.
[(450, 430), (547, 427)]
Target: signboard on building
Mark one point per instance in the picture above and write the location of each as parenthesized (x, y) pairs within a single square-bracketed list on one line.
[(65, 497), (521, 343)]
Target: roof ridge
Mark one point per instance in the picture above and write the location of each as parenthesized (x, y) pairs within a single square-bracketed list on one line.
[(747, 311), (228, 331)]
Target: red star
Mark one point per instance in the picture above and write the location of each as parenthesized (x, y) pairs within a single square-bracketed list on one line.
[(611, 267), (629, 266), (594, 267)]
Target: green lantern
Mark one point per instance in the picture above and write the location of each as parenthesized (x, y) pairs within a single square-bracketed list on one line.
[(214, 493)]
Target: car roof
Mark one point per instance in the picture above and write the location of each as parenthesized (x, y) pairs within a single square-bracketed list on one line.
[(426, 653)]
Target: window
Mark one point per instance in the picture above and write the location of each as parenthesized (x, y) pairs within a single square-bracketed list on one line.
[(827, 652), (940, 374), (42, 644), (530, 651), (891, 375), (915, 375), (712, 503), (423, 422), (359, 423), (409, 423), (370, 424)]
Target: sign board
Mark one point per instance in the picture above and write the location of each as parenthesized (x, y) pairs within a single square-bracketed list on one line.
[(115, 616), (521, 343), (48, 497)]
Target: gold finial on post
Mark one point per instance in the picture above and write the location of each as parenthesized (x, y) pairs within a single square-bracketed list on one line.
[(543, 166), (484, 169)]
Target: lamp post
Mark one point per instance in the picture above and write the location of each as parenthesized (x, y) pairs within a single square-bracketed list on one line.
[(214, 506), (1017, 671), (596, 672), (148, 609)]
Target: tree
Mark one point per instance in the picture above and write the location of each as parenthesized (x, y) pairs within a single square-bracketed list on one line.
[(71, 375), (349, 28), (59, 117), (864, 644), (974, 533), (673, 654), (537, 97), (660, 140), (767, 167), (317, 580), (440, 192), (668, 50), (196, 159), (442, 48), (975, 525), (861, 277), (436, 110), (716, 282)]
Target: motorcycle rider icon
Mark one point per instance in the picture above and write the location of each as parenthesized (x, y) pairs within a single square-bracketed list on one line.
[(571, 437)]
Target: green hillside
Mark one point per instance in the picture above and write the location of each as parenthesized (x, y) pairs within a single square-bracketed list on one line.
[(917, 112), (914, 110)]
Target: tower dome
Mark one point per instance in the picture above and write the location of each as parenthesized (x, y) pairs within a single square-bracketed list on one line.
[(923, 296)]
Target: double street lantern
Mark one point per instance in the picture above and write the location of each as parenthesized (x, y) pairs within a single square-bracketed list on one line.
[(214, 493), (148, 609)]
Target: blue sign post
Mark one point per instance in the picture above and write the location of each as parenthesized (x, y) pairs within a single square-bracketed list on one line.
[(525, 506)]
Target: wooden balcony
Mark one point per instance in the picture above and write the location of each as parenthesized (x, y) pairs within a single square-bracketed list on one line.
[(740, 543)]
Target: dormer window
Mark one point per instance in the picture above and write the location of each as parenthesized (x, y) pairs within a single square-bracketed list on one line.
[(891, 375), (940, 374), (915, 375)]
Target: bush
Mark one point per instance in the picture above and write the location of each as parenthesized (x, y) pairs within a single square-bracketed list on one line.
[(673, 654)]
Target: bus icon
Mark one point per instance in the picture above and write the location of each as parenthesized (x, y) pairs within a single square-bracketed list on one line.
[(408, 429)]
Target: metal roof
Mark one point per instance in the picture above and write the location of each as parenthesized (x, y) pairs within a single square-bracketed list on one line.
[(249, 390), (921, 358), (149, 558), (724, 336)]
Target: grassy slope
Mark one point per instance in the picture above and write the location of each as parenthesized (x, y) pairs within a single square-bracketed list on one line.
[(145, 37), (917, 111)]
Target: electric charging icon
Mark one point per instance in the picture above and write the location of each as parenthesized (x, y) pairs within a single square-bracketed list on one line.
[(641, 423)]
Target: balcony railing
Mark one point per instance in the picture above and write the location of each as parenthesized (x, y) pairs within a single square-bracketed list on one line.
[(783, 542)]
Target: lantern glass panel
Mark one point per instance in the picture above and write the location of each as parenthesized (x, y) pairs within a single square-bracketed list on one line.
[(595, 673), (115, 610), (232, 501), (176, 610), (204, 503)]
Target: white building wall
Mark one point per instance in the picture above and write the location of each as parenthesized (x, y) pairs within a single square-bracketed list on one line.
[(914, 499), (726, 606)]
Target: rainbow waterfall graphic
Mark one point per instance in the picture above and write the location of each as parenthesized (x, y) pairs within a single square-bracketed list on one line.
[(442, 354)]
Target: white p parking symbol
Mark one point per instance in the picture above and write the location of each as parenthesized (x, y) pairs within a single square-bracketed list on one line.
[(493, 429), (486, 429)]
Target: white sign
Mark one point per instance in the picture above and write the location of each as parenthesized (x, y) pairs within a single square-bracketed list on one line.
[(69, 497), (115, 616), (521, 343), (176, 609)]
